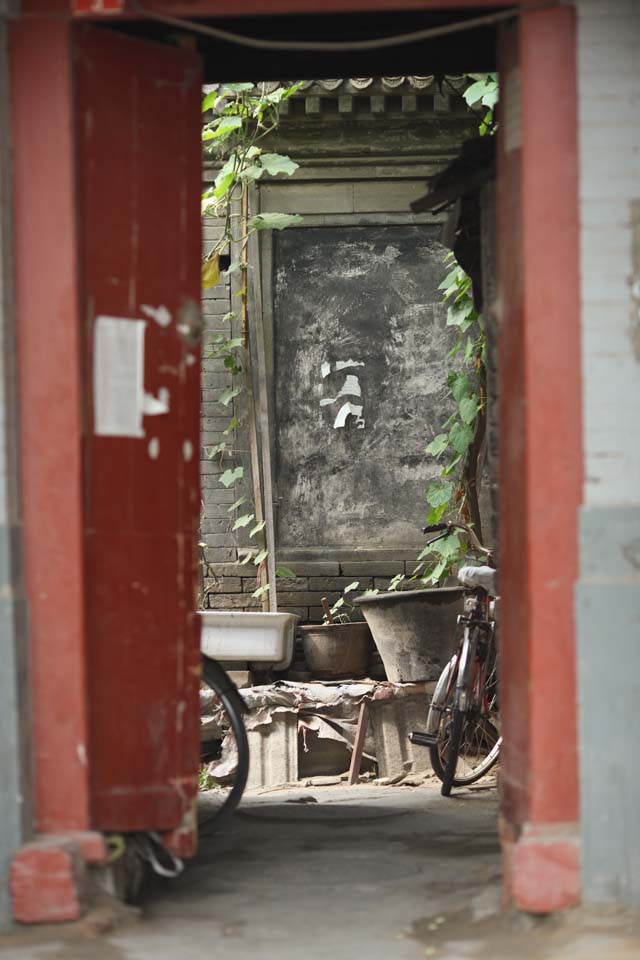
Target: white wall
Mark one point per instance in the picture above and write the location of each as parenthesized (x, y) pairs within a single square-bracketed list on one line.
[(608, 592)]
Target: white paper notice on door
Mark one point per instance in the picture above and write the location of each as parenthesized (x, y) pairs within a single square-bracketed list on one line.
[(118, 377)]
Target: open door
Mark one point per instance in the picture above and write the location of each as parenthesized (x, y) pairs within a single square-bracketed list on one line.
[(139, 170)]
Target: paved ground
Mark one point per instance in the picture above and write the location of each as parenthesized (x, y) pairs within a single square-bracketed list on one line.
[(379, 872)]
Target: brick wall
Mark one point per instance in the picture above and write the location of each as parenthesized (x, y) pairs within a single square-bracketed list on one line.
[(386, 168)]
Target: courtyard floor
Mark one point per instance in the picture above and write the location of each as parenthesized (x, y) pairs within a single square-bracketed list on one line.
[(338, 872)]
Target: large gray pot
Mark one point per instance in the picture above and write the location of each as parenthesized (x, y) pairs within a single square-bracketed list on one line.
[(414, 630)]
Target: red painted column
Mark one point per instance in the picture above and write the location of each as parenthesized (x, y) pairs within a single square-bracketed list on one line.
[(541, 444), (50, 414)]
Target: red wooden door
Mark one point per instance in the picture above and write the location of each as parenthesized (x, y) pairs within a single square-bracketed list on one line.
[(139, 175)]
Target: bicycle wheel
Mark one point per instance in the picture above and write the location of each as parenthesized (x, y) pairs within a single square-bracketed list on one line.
[(224, 754), (468, 743)]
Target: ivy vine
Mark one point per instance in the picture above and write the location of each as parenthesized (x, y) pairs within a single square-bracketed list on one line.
[(237, 117)]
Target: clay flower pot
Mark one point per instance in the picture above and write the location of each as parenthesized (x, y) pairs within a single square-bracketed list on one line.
[(334, 650)]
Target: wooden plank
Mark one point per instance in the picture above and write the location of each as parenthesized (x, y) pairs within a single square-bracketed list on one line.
[(358, 746), (263, 411)]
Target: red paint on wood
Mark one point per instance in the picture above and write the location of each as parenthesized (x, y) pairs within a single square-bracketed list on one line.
[(554, 400), (47, 882), (542, 870), (541, 451), (97, 6), (139, 156), (50, 403)]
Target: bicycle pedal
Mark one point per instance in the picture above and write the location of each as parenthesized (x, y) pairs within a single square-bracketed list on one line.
[(423, 739)]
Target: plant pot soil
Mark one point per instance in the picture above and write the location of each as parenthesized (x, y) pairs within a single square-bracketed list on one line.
[(336, 650), (414, 630)]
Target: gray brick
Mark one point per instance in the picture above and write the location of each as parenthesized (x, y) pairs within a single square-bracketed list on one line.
[(213, 313), (300, 583), (337, 584), (229, 569), (312, 568), (305, 598), (220, 554), (210, 526), (224, 585), (375, 568), (214, 510), (234, 601), (214, 424), (217, 539), (219, 292), (215, 381), (301, 612)]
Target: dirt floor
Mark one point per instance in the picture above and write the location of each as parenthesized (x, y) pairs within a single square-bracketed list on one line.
[(335, 872)]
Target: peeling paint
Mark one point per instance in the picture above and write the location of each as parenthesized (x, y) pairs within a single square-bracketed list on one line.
[(154, 448), (118, 376), (187, 451), (160, 314), (155, 406), (345, 410), (343, 364)]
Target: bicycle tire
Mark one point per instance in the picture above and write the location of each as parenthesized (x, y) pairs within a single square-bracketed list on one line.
[(434, 722), (452, 755), (217, 679)]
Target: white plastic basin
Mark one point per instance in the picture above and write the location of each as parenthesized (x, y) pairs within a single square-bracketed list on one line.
[(238, 635)]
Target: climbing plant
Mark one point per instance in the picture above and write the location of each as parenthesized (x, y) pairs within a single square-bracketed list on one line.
[(453, 493), (237, 118)]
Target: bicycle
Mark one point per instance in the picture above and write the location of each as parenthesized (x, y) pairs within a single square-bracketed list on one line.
[(226, 752), (463, 725)]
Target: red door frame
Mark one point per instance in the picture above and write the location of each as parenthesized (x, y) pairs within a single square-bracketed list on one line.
[(541, 468)]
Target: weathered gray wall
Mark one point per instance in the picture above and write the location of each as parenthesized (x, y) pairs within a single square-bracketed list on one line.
[(608, 594), (362, 161), (368, 294), (14, 754)]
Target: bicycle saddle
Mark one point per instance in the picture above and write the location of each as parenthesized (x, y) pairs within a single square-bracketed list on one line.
[(485, 577)]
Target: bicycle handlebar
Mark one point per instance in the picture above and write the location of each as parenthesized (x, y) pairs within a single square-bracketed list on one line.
[(453, 525)]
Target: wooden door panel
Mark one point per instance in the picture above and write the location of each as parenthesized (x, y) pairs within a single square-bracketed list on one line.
[(138, 122)]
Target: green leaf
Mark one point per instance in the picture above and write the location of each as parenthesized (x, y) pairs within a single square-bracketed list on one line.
[(437, 445), (339, 603), (351, 587), (284, 573), (227, 395), (395, 582), (234, 423), (259, 557), (459, 385), (371, 593), (448, 470), (243, 521), (222, 187), (226, 127), (436, 573), (245, 559), (449, 547), (274, 221), (237, 87), (260, 591), (258, 527), (469, 408), (275, 163), (230, 476), (209, 100), (238, 503), (439, 492), (436, 514), (461, 437), (253, 172), (219, 448)]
